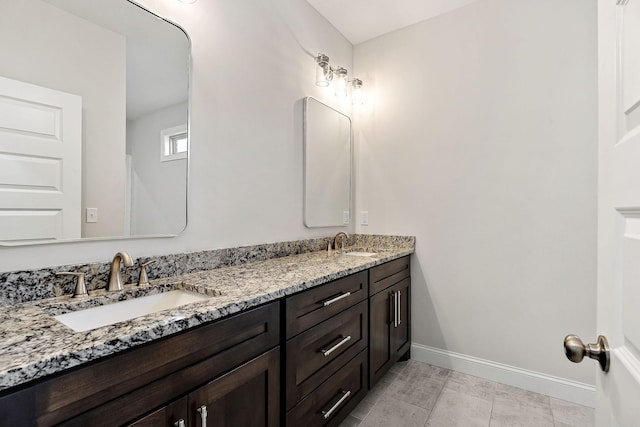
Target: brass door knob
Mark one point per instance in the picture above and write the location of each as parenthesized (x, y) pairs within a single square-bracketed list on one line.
[(575, 350)]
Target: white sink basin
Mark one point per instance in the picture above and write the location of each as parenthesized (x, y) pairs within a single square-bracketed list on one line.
[(95, 317), (357, 253)]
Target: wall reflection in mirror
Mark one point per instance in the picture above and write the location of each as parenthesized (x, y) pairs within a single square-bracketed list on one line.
[(327, 165), (93, 121)]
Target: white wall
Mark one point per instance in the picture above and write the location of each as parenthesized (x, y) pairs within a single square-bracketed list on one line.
[(31, 33), (158, 188), (481, 141), (252, 65)]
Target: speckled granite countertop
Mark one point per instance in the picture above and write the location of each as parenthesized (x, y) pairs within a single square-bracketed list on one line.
[(33, 344)]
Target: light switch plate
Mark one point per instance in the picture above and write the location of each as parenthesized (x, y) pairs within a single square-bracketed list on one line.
[(345, 217), (92, 215), (364, 218)]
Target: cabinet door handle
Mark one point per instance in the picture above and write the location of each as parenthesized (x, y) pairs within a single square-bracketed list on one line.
[(394, 303), (399, 308), (203, 415), (392, 308), (395, 309), (336, 299), (335, 347), (179, 423), (345, 396)]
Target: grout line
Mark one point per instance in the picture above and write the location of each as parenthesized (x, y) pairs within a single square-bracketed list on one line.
[(553, 418), (493, 402), (438, 398), (395, 377)]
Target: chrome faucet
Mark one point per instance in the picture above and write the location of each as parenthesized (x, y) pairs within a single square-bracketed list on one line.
[(115, 281), (337, 239)]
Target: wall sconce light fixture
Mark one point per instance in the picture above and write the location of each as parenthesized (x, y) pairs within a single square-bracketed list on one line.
[(326, 74), (356, 92)]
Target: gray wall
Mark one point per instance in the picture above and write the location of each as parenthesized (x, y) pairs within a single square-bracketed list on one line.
[(482, 142)]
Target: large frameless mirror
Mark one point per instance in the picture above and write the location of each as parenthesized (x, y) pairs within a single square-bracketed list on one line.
[(94, 141), (327, 165)]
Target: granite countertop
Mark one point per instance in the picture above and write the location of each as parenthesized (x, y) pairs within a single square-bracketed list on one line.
[(33, 344)]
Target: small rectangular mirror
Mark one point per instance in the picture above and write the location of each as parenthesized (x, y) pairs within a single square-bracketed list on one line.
[(327, 165)]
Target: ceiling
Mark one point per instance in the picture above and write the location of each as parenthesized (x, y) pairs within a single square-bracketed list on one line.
[(361, 20)]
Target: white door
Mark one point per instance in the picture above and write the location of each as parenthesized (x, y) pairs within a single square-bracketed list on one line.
[(40, 163), (618, 311)]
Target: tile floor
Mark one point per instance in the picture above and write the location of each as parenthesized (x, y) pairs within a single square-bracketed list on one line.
[(416, 394)]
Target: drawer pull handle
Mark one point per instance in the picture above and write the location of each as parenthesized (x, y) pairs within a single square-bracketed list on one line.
[(203, 415), (345, 396), (335, 347), (336, 299)]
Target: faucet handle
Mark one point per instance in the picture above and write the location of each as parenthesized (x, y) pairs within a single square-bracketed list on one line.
[(144, 279), (340, 237), (80, 289)]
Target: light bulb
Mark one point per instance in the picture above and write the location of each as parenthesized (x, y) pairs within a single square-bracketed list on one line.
[(341, 82)]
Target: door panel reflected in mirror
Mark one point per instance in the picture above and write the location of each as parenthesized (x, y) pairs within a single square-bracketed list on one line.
[(327, 165), (92, 95)]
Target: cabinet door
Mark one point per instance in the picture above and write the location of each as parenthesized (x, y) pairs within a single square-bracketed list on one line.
[(380, 312), (389, 328), (400, 330), (169, 416), (247, 396)]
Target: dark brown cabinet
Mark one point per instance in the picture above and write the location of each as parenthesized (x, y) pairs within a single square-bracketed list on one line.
[(326, 357), (314, 355), (389, 308), (245, 397)]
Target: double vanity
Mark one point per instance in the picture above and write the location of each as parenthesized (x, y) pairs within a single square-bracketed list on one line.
[(288, 340)]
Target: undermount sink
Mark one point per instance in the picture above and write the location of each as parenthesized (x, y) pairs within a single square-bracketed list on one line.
[(95, 317), (360, 253)]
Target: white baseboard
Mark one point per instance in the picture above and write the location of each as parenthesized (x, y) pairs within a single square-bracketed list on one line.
[(560, 388)]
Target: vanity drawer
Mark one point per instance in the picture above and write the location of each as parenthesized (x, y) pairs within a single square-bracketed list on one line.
[(342, 392), (316, 354), (387, 274), (311, 307)]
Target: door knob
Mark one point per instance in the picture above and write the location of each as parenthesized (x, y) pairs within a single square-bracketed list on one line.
[(575, 350)]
